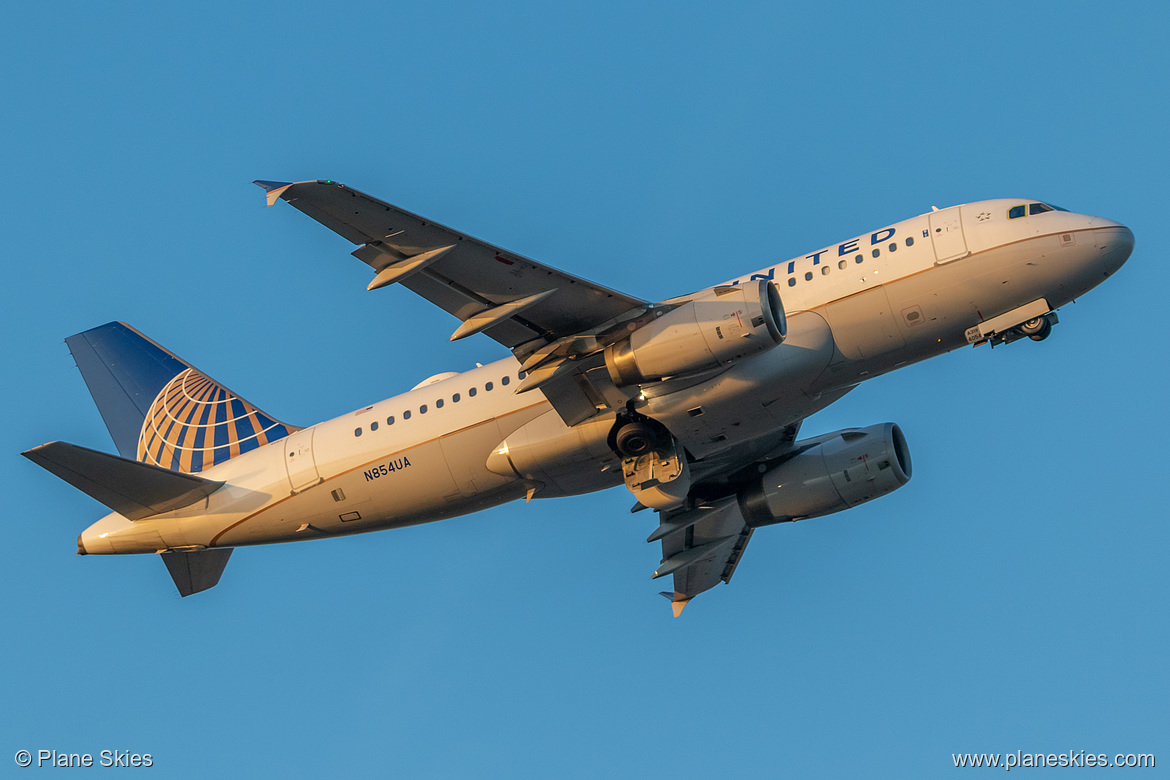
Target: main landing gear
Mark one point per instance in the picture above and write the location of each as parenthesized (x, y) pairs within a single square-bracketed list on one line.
[(654, 463), (634, 434)]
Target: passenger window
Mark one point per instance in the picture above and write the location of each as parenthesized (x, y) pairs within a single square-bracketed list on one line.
[(877, 252), (439, 404), (406, 415), (521, 375), (808, 276), (1015, 212), (825, 270), (858, 259), (909, 240), (893, 247), (374, 425), (842, 265), (505, 380), (422, 409), (792, 281), (488, 387), (455, 398), (471, 392), (1038, 208), (357, 431), (390, 420)]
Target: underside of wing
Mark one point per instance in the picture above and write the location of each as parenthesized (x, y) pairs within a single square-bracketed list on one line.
[(700, 547), (512, 299), (704, 540)]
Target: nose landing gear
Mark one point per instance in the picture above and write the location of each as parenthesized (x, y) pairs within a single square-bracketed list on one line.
[(1037, 328), (1034, 320)]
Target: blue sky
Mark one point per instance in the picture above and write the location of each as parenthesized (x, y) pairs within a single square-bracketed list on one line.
[(1011, 597)]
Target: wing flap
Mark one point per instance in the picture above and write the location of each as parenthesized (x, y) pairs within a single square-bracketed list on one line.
[(132, 489), (706, 542)]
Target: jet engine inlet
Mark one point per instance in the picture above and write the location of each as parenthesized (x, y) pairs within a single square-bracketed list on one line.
[(843, 470), (714, 328)]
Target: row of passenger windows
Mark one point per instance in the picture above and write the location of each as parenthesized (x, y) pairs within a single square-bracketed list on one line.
[(439, 403), (843, 264), (1015, 212)]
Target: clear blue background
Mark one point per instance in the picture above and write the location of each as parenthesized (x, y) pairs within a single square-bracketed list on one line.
[(1011, 597)]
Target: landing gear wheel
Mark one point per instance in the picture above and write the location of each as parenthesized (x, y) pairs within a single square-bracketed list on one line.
[(635, 439), (634, 435), (1037, 328)]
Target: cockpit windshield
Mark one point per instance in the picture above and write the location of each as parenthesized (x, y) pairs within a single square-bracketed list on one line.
[(1025, 209)]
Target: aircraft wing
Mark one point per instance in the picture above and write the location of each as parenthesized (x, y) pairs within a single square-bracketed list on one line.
[(700, 547), (704, 540), (511, 298)]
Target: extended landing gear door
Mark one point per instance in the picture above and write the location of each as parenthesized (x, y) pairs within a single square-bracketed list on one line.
[(298, 459), (659, 479), (946, 233)]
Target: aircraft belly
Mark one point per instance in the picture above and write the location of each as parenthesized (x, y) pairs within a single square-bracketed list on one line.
[(466, 452), (864, 325), (401, 488)]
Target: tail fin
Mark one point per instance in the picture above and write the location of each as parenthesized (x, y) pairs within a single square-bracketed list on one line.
[(160, 409)]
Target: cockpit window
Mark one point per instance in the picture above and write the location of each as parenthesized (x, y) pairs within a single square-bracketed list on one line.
[(1015, 212)]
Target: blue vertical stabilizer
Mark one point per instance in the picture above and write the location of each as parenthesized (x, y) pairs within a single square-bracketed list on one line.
[(160, 409), (124, 372)]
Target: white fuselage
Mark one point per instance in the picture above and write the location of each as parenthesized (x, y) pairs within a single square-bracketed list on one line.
[(855, 309)]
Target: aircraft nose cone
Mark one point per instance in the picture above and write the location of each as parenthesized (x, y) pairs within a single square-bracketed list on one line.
[(1116, 244)]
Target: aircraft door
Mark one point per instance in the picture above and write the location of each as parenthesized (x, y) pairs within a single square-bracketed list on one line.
[(946, 233), (299, 461)]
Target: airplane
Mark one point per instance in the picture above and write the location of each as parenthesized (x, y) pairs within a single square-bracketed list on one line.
[(693, 403)]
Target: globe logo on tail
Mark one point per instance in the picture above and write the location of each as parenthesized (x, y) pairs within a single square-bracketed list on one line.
[(195, 423)]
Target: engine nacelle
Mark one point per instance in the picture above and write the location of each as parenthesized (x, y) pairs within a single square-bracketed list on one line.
[(847, 468), (712, 329)]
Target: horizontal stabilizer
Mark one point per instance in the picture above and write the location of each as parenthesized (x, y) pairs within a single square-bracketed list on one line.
[(132, 489), (196, 571)]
